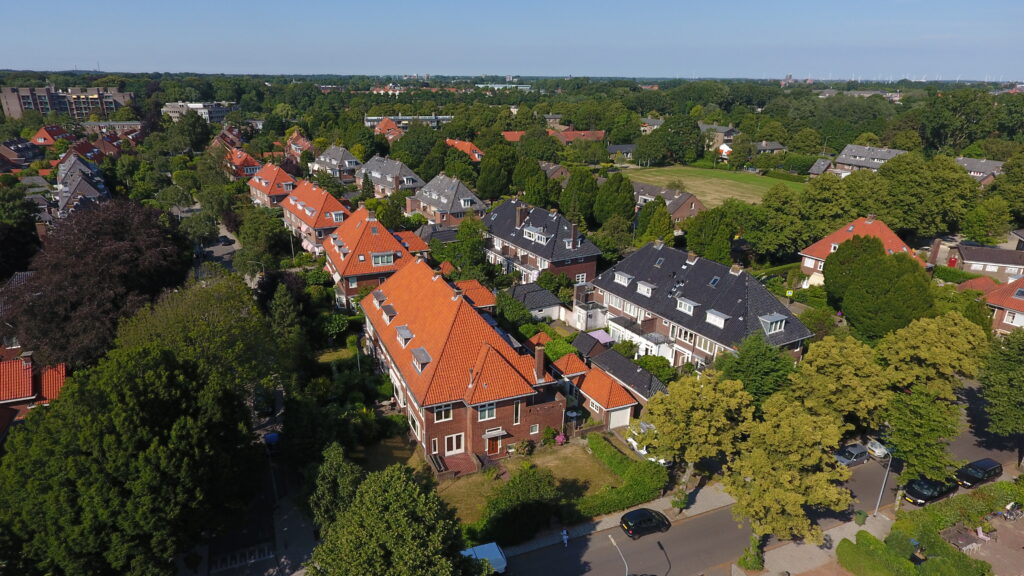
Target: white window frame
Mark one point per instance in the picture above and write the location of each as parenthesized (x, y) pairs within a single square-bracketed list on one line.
[(977, 267), (1013, 318), (991, 268), (384, 259), (594, 406), (517, 410), (433, 445), (353, 282), (443, 413), (776, 326), (580, 278), (706, 342), (458, 444), (643, 290), (487, 412), (534, 429), (684, 307)]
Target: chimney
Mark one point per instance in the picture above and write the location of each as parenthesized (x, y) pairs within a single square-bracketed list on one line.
[(870, 219), (371, 216), (538, 363), (572, 233), (520, 215), (395, 180), (361, 204), (735, 270), (691, 257), (457, 293)]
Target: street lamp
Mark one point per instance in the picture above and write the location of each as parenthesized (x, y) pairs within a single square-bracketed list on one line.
[(624, 563), (885, 479)]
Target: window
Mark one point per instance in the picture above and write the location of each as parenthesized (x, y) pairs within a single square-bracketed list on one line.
[(433, 445), (383, 259), (776, 326), (486, 412), (453, 444), (580, 278), (1013, 270), (821, 265), (622, 278), (809, 262), (595, 407), (516, 408), (1013, 318), (705, 345), (443, 413), (834, 248), (534, 428), (991, 268), (714, 281), (643, 290), (685, 306), (352, 282), (976, 267)]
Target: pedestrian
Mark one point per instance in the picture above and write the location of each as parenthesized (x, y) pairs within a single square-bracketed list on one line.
[(565, 538)]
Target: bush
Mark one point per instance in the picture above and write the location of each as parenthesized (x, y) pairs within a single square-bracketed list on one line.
[(954, 275), (642, 480), (753, 556), (519, 508), (548, 436), (703, 163), (870, 557), (860, 517)]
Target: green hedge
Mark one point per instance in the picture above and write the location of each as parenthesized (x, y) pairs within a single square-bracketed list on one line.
[(870, 557), (780, 175), (642, 480), (954, 275)]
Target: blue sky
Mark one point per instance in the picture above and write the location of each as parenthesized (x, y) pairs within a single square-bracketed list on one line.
[(737, 38)]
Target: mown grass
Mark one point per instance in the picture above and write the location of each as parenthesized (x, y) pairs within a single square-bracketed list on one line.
[(712, 187)]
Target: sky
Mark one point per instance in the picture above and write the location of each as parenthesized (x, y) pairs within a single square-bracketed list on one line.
[(869, 39)]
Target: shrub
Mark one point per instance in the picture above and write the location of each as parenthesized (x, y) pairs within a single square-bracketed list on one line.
[(526, 448), (548, 436), (780, 175), (753, 556), (519, 508), (868, 556), (642, 480), (954, 275), (860, 517)]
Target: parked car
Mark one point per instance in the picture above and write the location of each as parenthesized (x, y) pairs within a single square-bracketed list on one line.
[(979, 472), (925, 490), (636, 523), (491, 552), (852, 454), (876, 449)]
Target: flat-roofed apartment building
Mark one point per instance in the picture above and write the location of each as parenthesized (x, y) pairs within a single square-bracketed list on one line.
[(78, 103)]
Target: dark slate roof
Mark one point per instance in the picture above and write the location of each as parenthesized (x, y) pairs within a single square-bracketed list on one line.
[(716, 128), (624, 148), (443, 234), (445, 194), (988, 255), (867, 156), (533, 296), (338, 156), (549, 168), (36, 184), (501, 223), (740, 297), (386, 169), (768, 146), (629, 374), (980, 166), (74, 164), (820, 166), (1019, 233), (673, 198), (587, 345)]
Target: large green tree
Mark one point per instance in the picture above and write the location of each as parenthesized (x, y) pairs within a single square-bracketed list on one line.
[(337, 480), (577, 199), (1003, 388), (18, 240), (989, 221), (841, 377), (614, 198), (762, 368)]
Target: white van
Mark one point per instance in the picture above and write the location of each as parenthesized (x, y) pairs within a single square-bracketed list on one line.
[(491, 552)]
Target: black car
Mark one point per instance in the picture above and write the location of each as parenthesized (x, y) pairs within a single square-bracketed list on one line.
[(925, 490), (979, 472), (642, 521)]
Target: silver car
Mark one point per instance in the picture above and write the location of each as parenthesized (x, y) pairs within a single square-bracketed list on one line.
[(852, 454)]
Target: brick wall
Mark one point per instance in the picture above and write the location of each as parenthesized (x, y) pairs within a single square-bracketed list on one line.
[(588, 267)]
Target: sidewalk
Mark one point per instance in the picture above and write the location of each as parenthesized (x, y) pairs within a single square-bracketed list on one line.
[(797, 558), (709, 498)]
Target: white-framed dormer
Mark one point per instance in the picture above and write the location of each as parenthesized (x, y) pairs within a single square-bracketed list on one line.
[(404, 335), (645, 288), (623, 278), (716, 318), (773, 323), (685, 305)]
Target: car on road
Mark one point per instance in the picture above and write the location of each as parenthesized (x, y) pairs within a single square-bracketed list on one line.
[(876, 449), (979, 472), (925, 490), (641, 521), (852, 454)]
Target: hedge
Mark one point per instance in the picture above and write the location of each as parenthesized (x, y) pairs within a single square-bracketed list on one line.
[(642, 480), (954, 275), (870, 557), (780, 175)]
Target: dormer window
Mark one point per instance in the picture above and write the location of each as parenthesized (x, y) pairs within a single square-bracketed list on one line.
[(773, 323), (378, 297), (420, 359), (716, 318), (685, 305), (404, 335), (834, 248), (644, 288), (467, 202), (623, 278), (388, 312), (384, 259), (1019, 294), (337, 216)]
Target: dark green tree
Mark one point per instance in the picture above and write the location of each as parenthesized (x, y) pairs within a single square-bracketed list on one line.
[(654, 223), (614, 198), (1002, 388), (414, 147), (18, 239), (516, 510), (613, 238), (763, 368), (851, 260), (659, 366), (577, 199), (494, 180), (337, 480), (888, 297), (366, 189)]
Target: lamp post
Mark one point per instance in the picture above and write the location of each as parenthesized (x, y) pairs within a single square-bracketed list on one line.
[(881, 490), (624, 563)]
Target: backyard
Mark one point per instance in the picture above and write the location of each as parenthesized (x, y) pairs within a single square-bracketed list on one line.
[(712, 186)]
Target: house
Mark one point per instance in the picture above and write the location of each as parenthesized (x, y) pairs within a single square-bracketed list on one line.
[(413, 243), (240, 165), (606, 400), (854, 157), (820, 166), (389, 176), (528, 240), (1007, 301), (680, 205), (79, 185), (1003, 265), (625, 150), (25, 386), (477, 294), (389, 130), (717, 135), (648, 125), (768, 147), (49, 135), (1019, 236), (688, 309), (86, 150), (554, 171), (312, 214), (270, 185), (445, 200), (403, 122), (108, 146), (983, 284), (111, 127), (982, 170), (362, 253), (437, 232), (570, 136), (296, 145), (813, 257), (338, 162), (553, 120), (467, 393), (211, 112), (541, 303), (513, 135), (10, 348), (229, 137), (20, 152), (467, 148)]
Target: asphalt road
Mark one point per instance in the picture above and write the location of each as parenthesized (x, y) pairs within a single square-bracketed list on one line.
[(691, 547)]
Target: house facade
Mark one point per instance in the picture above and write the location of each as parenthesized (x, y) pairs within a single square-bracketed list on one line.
[(362, 253), (338, 162), (812, 258), (467, 393), (528, 240), (854, 157), (1007, 303), (78, 102), (680, 205), (689, 309), (389, 176), (240, 165), (445, 200), (717, 135), (1002, 265), (311, 214), (270, 185)]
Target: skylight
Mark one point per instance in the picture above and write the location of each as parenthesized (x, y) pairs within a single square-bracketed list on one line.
[(1019, 293), (714, 281)]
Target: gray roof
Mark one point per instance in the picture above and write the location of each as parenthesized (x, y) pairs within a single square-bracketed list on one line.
[(501, 223), (980, 167), (716, 128), (338, 156), (989, 255), (14, 282), (74, 164), (587, 345), (446, 194), (629, 374), (34, 184), (79, 189), (867, 156), (1019, 233), (443, 234), (550, 168), (740, 297), (820, 166), (386, 169), (624, 148), (533, 296), (655, 122), (673, 198), (768, 145)]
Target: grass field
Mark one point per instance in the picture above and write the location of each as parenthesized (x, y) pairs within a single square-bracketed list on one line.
[(712, 186)]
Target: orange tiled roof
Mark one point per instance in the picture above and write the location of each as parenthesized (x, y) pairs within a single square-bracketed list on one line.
[(540, 338), (15, 380), (983, 284), (239, 160), (466, 147), (297, 140), (271, 180), (447, 268), (412, 242), (452, 335), (573, 135), (478, 294), (388, 129), (53, 381), (603, 389), (513, 135), (313, 206), (570, 364), (859, 227), (1006, 296), (47, 135), (352, 246)]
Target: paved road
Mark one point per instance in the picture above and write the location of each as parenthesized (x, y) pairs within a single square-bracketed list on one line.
[(692, 546)]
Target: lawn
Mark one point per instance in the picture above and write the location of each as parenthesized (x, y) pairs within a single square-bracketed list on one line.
[(394, 450), (335, 355), (712, 186)]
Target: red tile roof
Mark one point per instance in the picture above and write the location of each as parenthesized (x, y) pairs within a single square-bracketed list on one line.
[(412, 242), (352, 246), (466, 147), (478, 294), (468, 360), (239, 160), (314, 206), (570, 364), (15, 380), (859, 227), (603, 389), (48, 135), (983, 284), (297, 144), (447, 268), (572, 135), (388, 129), (540, 338), (513, 135), (52, 382), (271, 180), (1009, 296)]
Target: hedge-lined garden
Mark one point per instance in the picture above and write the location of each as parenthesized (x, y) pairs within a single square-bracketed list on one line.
[(643, 480)]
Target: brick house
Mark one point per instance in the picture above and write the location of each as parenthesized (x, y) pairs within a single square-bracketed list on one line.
[(569, 136), (1018, 235), (240, 165), (1007, 302), (270, 185), (528, 240), (389, 176), (716, 135), (362, 253), (24, 386), (389, 130), (554, 171), (1003, 265), (296, 145), (338, 162), (467, 148), (48, 136), (812, 258), (680, 205), (982, 170), (854, 157), (466, 392), (445, 200), (311, 214), (685, 308)]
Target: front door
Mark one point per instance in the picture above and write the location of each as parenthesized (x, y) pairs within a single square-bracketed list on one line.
[(493, 444)]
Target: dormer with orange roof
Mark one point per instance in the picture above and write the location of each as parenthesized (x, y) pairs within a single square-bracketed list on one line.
[(467, 148), (361, 252), (813, 257), (389, 130), (239, 164), (464, 388), (270, 185), (312, 214), (48, 136)]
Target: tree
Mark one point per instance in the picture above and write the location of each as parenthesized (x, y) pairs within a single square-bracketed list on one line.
[(190, 132), (577, 199), (613, 238), (283, 314), (785, 468), (841, 377), (700, 418), (654, 223), (806, 141), (264, 241), (337, 480), (894, 294), (415, 145), (99, 266), (585, 152), (868, 139), (395, 525), (516, 510), (494, 180), (18, 239), (1002, 389), (525, 170), (710, 233), (920, 426), (200, 228), (762, 368), (538, 145), (614, 198), (989, 221), (852, 259), (659, 366)]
